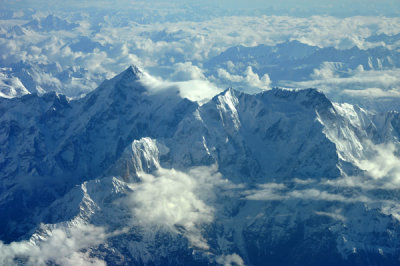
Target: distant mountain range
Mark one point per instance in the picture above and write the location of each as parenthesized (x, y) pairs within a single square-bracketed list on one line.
[(296, 61)]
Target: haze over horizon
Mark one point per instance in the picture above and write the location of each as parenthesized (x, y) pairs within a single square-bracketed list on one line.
[(340, 8)]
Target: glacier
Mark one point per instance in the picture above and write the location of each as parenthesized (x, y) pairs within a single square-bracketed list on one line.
[(129, 175)]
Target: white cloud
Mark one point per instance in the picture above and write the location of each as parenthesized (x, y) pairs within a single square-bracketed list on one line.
[(358, 86), (186, 71), (316, 194), (373, 93), (381, 163), (200, 90), (279, 191), (230, 260), (46, 79), (60, 247), (249, 80), (333, 215), (254, 80), (172, 200), (326, 71), (222, 73), (268, 191)]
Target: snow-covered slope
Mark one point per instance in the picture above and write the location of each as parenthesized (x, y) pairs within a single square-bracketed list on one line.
[(282, 177)]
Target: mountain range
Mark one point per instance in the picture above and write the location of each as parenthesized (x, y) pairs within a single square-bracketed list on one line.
[(132, 175)]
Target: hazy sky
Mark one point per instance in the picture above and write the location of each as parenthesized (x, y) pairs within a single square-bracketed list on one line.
[(293, 7)]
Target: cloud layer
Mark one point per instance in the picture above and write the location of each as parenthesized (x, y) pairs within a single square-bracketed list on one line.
[(76, 60)]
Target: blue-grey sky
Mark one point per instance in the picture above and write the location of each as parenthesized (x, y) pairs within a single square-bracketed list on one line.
[(290, 7)]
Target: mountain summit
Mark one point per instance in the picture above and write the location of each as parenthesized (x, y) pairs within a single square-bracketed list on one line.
[(131, 74)]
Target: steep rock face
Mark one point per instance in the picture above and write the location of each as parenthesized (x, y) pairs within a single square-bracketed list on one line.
[(142, 156), (283, 177), (29, 127)]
